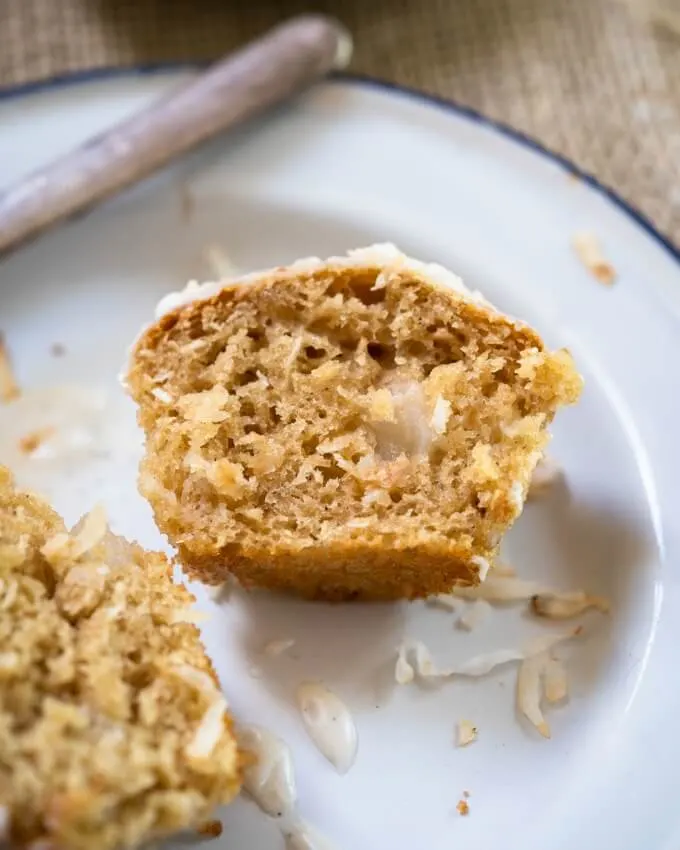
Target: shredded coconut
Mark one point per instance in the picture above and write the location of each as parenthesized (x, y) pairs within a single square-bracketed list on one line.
[(529, 691), (563, 606), (501, 588), (555, 686)]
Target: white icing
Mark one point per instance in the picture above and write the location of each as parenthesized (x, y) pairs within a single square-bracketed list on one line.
[(329, 724), (270, 780), (385, 255)]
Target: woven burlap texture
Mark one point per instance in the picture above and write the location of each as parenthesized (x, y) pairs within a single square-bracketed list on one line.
[(589, 79)]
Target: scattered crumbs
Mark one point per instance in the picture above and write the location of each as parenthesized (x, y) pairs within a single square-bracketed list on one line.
[(467, 733), (589, 252), (210, 829), (9, 388), (31, 442), (463, 808), (57, 349)]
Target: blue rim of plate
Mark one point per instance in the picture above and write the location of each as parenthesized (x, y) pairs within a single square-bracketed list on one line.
[(442, 103)]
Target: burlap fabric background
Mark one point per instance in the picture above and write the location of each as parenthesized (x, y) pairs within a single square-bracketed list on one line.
[(587, 78)]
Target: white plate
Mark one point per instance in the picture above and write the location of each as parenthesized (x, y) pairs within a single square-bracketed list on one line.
[(350, 164)]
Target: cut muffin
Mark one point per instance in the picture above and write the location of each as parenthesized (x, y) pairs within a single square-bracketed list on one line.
[(113, 730), (364, 427)]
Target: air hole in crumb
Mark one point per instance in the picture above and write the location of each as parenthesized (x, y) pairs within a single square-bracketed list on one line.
[(247, 408), (382, 354), (314, 353), (415, 348), (437, 455), (322, 414), (360, 287), (247, 377), (274, 415), (331, 473), (250, 428), (396, 496)]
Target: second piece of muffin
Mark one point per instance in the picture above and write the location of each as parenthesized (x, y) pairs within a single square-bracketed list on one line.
[(363, 427), (113, 730)]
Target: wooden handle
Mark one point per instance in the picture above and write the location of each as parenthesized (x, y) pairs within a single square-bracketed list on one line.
[(238, 87)]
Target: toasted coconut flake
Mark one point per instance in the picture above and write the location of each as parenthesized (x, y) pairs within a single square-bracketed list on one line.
[(381, 406), (482, 665), (274, 648), (90, 531), (546, 474), (467, 733), (529, 691), (210, 729), (563, 606), (403, 671), (475, 614), (228, 479), (589, 252), (555, 686), (499, 588), (9, 388)]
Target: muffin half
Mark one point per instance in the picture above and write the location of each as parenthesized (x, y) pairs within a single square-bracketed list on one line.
[(361, 427)]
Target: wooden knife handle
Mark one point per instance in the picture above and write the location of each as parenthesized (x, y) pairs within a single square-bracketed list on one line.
[(263, 73)]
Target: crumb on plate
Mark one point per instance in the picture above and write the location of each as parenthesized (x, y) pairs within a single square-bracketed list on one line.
[(32, 441), (210, 829), (589, 252), (467, 733), (463, 808)]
